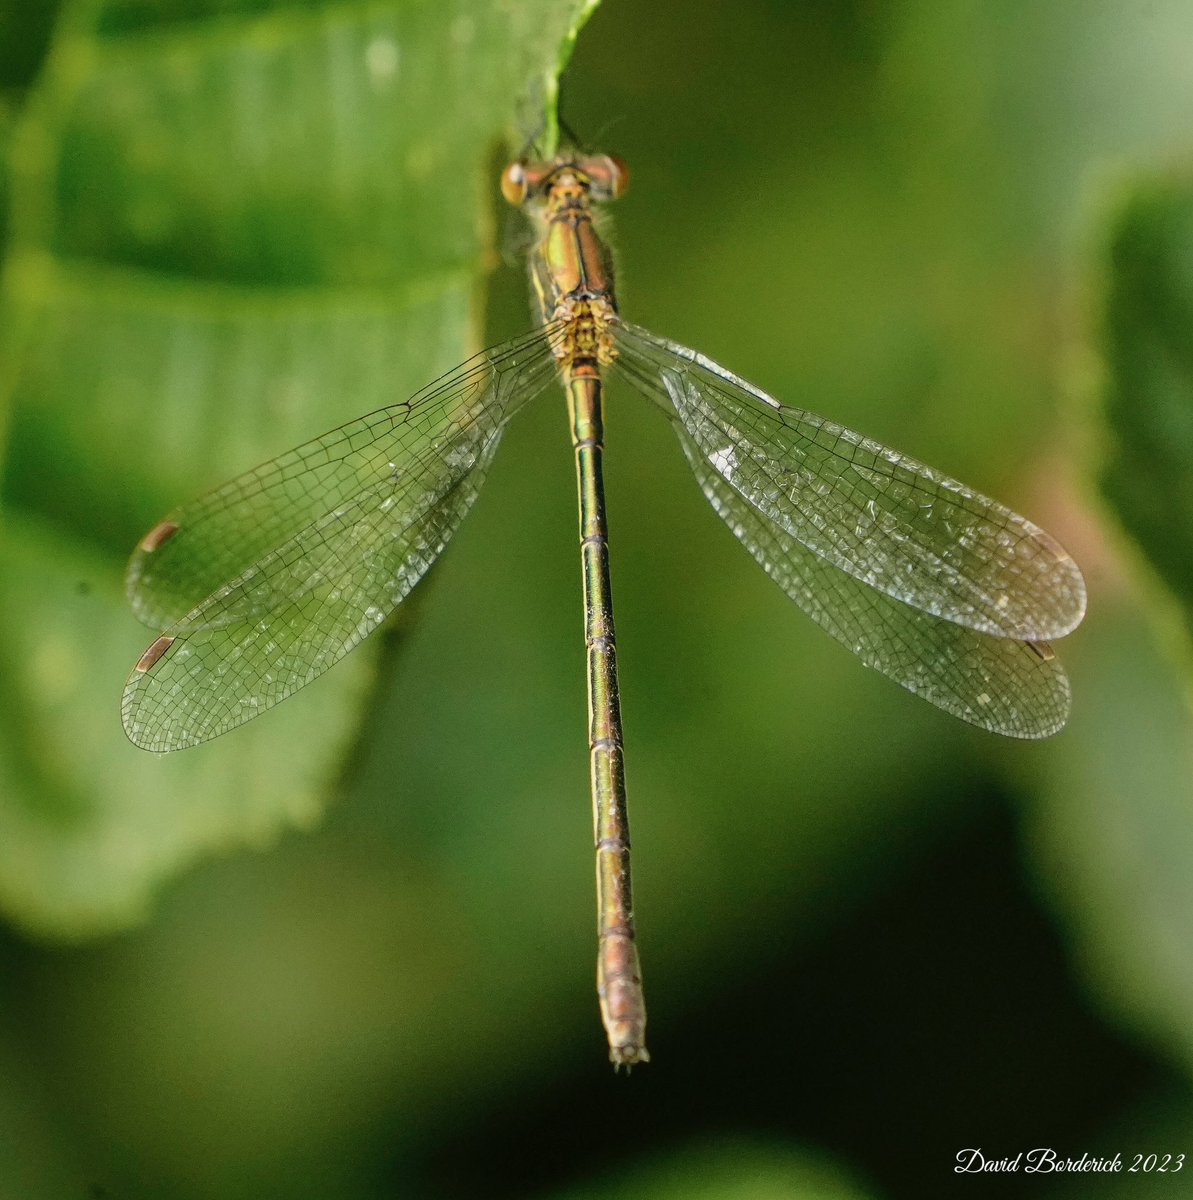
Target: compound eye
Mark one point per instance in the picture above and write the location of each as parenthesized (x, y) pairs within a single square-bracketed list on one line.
[(513, 183), (619, 177), (608, 177)]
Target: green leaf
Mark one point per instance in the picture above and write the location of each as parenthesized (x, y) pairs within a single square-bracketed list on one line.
[(1114, 829), (1112, 834), (232, 227), (1148, 474), (88, 823)]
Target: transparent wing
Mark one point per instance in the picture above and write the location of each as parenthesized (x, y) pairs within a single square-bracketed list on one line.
[(1008, 683), (303, 557), (1010, 687), (891, 522), (201, 546)]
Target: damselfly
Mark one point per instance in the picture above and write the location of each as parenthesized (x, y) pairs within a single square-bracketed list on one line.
[(266, 582)]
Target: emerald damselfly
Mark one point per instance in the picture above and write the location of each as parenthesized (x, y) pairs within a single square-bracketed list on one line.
[(263, 584)]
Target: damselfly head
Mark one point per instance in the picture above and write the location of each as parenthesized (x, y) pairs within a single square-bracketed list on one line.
[(601, 176)]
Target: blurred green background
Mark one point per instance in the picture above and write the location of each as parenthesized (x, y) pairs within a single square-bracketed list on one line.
[(348, 951)]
